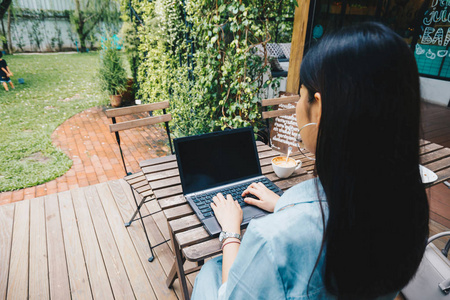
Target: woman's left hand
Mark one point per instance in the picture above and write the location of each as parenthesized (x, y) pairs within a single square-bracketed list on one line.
[(228, 213)]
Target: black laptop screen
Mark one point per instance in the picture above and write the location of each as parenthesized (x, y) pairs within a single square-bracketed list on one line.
[(217, 158)]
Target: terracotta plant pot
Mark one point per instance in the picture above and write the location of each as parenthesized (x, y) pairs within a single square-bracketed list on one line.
[(116, 100), (128, 96)]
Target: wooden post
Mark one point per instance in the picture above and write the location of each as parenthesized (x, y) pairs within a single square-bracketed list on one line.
[(297, 46)]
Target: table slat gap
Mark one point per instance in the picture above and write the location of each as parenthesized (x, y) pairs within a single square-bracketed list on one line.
[(434, 156)]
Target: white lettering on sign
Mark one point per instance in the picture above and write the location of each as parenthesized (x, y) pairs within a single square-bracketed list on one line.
[(436, 31), (285, 129), (439, 36), (433, 36), (436, 20), (439, 13), (426, 37)]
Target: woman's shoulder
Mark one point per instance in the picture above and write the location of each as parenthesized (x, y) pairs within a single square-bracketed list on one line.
[(291, 237), (305, 192), (299, 216), (296, 223)]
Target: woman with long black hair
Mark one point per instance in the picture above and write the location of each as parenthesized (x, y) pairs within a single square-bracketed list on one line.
[(358, 230)]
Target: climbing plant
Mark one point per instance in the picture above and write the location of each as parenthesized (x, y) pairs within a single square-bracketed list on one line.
[(222, 89)]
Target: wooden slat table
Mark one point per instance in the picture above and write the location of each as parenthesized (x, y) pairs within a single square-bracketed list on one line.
[(191, 241)]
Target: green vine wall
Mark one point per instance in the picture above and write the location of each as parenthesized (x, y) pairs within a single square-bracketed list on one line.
[(227, 77)]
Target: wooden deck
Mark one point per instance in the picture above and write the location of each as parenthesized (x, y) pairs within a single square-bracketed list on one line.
[(436, 124), (74, 245), (436, 129)]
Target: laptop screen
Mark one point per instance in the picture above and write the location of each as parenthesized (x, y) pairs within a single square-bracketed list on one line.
[(218, 158)]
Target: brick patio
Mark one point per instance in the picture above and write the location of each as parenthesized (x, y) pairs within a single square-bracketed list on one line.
[(86, 139)]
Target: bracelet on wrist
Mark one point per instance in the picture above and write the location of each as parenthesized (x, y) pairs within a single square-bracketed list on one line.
[(230, 242)]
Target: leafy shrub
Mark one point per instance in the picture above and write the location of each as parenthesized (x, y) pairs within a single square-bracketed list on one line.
[(112, 74), (222, 83)]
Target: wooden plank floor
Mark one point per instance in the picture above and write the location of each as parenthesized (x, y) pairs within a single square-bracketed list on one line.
[(436, 124), (436, 129), (74, 245)]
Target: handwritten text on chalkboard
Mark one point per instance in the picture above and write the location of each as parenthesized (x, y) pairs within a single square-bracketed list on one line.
[(439, 18), (284, 130)]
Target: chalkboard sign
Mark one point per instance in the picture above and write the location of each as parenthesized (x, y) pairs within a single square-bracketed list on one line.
[(432, 48), (284, 129)]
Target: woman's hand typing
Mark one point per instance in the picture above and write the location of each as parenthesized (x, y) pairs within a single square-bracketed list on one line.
[(228, 213), (267, 198)]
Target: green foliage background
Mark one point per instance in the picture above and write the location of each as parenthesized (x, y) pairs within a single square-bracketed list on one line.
[(227, 75)]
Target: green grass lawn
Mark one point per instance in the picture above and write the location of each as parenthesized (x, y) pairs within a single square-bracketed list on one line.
[(56, 87)]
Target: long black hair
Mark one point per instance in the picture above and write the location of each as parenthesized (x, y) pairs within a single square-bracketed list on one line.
[(368, 159)]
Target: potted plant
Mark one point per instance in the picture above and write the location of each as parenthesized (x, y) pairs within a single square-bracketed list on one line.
[(112, 74)]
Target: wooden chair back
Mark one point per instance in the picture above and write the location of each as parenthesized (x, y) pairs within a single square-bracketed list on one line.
[(277, 101), (150, 120)]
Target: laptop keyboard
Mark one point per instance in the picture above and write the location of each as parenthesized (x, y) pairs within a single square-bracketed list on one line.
[(203, 201)]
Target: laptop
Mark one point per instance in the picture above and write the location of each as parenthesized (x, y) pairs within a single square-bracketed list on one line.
[(224, 162)]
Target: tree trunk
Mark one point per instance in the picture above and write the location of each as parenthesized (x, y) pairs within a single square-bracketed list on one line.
[(4, 5), (5, 42), (10, 47), (81, 36), (82, 43), (80, 26)]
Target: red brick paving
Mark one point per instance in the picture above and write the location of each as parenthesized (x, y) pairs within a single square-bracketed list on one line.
[(86, 139)]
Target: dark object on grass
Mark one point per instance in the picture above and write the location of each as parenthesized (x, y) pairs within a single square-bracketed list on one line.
[(21, 80)]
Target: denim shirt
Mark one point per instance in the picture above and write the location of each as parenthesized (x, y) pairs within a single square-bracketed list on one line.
[(279, 251)]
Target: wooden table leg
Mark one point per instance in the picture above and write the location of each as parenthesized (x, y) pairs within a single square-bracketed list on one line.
[(178, 266), (172, 275)]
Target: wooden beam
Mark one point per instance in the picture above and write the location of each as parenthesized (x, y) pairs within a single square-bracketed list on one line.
[(281, 100), (117, 112), (138, 123), (297, 46), (277, 113)]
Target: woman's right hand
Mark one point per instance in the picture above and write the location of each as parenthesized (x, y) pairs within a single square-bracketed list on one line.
[(267, 198)]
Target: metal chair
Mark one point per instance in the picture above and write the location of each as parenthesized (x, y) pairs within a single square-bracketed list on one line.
[(138, 183)]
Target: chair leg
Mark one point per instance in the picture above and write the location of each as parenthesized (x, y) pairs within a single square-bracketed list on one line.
[(178, 265), (135, 212), (152, 257)]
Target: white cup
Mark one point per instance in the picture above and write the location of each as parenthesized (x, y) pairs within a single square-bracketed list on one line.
[(283, 168)]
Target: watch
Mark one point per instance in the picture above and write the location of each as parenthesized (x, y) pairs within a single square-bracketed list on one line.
[(224, 235)]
